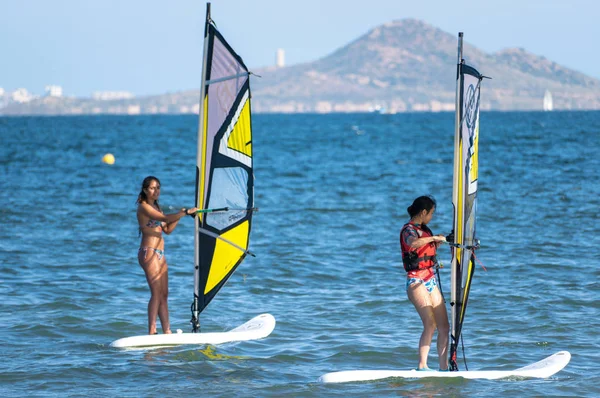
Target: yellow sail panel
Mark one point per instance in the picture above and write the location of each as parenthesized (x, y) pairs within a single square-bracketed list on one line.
[(469, 275), (240, 138), (202, 172), (226, 255), (460, 202), (474, 169)]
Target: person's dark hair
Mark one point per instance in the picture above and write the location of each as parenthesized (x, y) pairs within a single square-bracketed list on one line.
[(421, 203), (145, 184)]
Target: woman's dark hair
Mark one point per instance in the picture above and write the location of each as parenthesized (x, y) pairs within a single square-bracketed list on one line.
[(421, 203), (145, 184)]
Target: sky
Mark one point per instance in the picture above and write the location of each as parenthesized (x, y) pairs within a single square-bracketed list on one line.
[(151, 47)]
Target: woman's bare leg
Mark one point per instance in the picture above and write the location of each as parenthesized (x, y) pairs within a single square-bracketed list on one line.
[(163, 309), (418, 295), (155, 270), (441, 320)]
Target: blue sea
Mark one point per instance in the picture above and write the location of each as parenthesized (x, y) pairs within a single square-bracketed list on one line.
[(332, 192)]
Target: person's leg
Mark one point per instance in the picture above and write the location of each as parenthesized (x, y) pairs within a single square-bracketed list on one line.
[(441, 320), (418, 295), (163, 309), (152, 268)]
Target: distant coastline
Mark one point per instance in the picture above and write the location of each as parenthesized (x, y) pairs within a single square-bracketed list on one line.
[(401, 66)]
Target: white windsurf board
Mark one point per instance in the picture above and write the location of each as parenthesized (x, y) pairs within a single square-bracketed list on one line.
[(257, 328), (542, 369)]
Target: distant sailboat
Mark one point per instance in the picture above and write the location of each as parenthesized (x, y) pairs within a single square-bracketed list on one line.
[(548, 106), (377, 109)]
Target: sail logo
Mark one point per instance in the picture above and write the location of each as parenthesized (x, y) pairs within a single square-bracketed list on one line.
[(471, 113), (471, 109)]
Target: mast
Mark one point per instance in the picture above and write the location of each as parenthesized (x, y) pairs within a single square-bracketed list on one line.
[(455, 194), (195, 321), (224, 169), (464, 196)]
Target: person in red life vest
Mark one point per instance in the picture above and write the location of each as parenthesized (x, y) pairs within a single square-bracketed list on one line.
[(419, 246)]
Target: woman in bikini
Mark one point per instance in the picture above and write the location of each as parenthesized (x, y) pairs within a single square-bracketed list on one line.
[(151, 254), (419, 246)]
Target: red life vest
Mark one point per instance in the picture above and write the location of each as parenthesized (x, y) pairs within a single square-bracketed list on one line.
[(421, 258)]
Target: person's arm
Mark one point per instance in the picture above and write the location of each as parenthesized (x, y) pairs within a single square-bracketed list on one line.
[(154, 214), (415, 242), (170, 226)]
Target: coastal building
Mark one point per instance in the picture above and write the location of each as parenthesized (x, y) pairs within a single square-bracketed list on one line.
[(280, 58), (21, 95), (54, 91), (111, 95), (133, 110), (3, 98)]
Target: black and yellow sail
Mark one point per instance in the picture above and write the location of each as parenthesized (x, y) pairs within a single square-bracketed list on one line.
[(224, 175), (464, 196)]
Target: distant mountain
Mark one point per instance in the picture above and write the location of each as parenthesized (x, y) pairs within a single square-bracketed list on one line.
[(400, 66), (409, 65)]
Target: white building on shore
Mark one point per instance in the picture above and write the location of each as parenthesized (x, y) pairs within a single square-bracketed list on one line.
[(111, 95), (54, 91), (21, 96), (280, 58)]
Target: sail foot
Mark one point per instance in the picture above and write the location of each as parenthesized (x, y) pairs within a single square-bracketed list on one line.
[(195, 321), (452, 364)]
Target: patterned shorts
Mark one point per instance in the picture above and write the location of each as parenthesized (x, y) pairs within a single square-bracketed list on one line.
[(429, 285)]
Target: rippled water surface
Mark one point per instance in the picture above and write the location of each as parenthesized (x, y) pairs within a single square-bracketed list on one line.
[(332, 192)]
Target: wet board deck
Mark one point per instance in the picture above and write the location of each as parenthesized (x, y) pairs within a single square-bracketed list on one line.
[(257, 328), (542, 369)]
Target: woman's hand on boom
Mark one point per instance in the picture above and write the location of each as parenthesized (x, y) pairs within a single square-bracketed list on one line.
[(190, 212)]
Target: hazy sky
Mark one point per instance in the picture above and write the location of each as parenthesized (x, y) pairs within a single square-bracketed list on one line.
[(155, 46)]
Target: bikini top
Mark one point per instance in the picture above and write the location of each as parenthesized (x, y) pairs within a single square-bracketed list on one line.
[(153, 223)]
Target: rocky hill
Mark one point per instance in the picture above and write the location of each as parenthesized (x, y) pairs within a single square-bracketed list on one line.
[(409, 65), (400, 66)]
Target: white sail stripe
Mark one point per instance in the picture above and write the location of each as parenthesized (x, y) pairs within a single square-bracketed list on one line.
[(223, 148), (216, 236), (222, 79)]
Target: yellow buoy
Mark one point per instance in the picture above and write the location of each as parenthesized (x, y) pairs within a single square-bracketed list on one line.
[(108, 158)]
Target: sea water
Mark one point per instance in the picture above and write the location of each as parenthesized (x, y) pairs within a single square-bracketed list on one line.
[(332, 192)]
